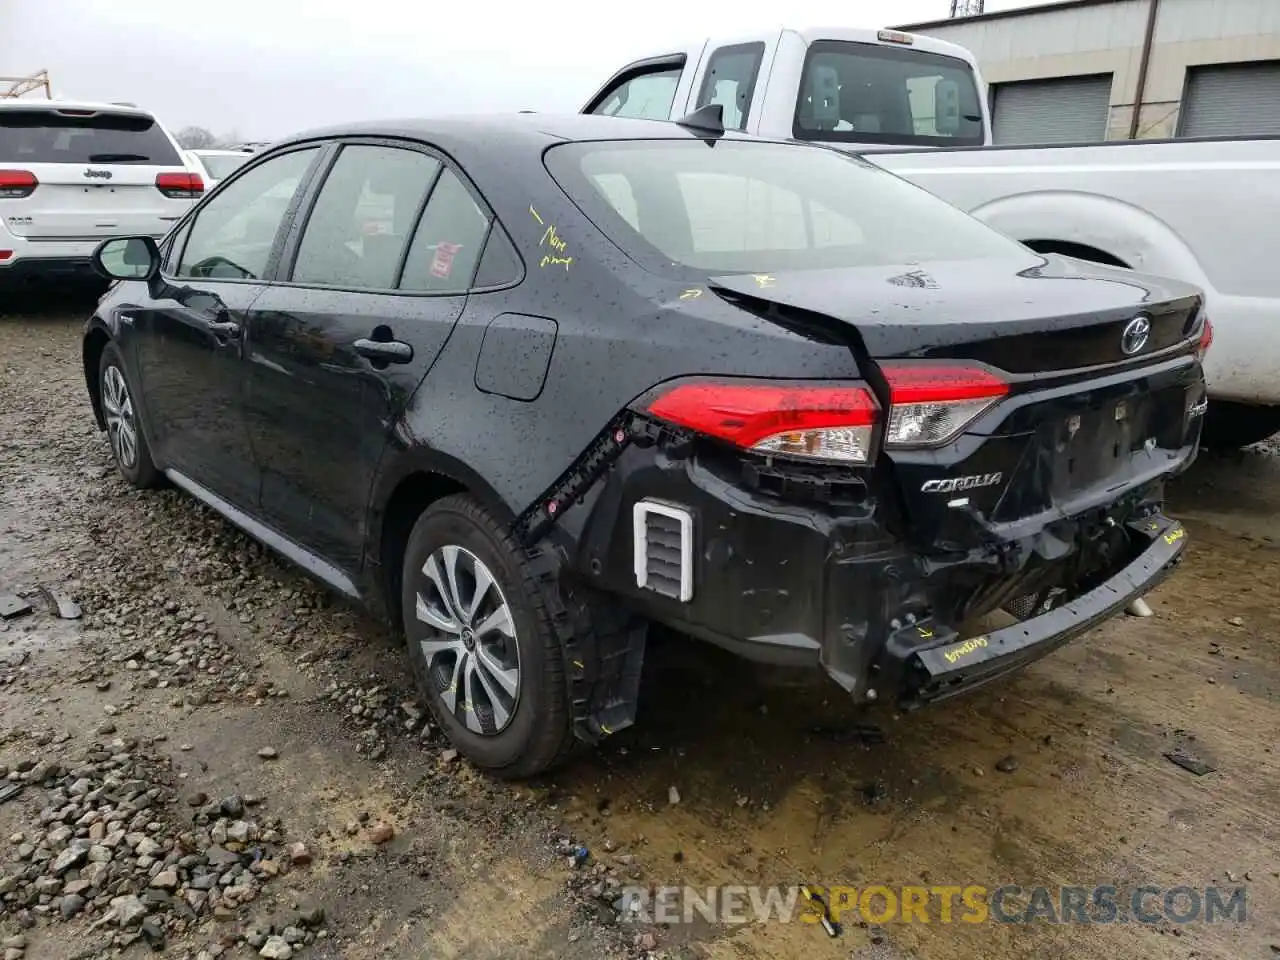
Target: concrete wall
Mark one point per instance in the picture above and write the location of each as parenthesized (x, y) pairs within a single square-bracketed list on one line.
[(1107, 38)]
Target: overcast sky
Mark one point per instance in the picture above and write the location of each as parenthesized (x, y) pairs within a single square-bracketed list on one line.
[(266, 68)]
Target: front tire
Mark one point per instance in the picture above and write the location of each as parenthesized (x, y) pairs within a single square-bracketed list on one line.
[(483, 649), (124, 430)]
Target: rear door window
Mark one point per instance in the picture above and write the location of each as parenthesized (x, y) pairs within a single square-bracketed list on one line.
[(730, 81), (448, 242), (48, 136), (362, 220)]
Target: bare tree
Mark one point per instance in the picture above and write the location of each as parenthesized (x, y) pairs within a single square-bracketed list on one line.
[(196, 138)]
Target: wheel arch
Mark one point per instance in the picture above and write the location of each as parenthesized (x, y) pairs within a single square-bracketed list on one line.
[(92, 346), (404, 490), (1081, 251)]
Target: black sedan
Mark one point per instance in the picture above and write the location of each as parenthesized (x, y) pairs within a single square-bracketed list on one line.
[(526, 384)]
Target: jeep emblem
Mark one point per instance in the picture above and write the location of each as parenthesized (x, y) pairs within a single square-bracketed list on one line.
[(98, 174)]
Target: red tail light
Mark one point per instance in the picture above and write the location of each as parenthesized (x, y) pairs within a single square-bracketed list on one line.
[(17, 184), (180, 186), (1206, 340), (932, 403), (827, 421), (5, 254)]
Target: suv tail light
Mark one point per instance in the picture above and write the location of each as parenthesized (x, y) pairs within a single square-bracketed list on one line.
[(180, 186), (17, 184), (1206, 340), (932, 403), (833, 422)]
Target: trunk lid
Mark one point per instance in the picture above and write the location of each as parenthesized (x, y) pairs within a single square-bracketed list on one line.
[(1081, 424), (1025, 316)]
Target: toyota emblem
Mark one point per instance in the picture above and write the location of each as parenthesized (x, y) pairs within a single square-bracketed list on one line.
[(1135, 335)]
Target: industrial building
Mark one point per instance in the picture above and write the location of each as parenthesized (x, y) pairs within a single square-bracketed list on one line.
[(1080, 70)]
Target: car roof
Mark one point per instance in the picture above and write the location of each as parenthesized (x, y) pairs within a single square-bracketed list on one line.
[(54, 106), (512, 130), (219, 152)]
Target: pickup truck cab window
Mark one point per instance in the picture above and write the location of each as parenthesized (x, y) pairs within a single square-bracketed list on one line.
[(730, 80), (869, 93), (645, 93), (233, 234), (363, 217)]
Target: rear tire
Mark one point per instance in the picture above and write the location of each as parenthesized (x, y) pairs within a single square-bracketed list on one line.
[(484, 652), (1230, 425), (124, 429)]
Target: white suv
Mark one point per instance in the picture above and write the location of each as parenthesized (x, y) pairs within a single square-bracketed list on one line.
[(72, 174)]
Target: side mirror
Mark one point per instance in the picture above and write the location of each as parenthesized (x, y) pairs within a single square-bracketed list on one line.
[(127, 258), (946, 107)]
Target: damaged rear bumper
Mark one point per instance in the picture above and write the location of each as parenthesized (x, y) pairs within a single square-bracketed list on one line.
[(838, 586), (933, 662)]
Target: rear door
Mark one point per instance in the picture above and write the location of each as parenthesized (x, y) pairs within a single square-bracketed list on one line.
[(374, 277), (97, 174)]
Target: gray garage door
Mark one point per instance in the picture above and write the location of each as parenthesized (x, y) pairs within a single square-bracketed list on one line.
[(1067, 110), (1232, 100)]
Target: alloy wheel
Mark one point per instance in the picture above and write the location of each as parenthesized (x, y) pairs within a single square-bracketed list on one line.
[(470, 649), (122, 425)]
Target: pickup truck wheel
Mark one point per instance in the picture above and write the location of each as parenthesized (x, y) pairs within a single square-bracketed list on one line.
[(119, 410), (483, 650), (1230, 426)]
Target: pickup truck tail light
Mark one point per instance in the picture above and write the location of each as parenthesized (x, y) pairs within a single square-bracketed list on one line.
[(831, 422), (1206, 340), (17, 184), (931, 403), (180, 186)]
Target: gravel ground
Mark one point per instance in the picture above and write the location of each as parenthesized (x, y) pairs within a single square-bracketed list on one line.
[(219, 758)]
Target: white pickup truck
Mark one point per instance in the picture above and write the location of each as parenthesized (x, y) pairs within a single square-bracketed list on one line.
[(1201, 210)]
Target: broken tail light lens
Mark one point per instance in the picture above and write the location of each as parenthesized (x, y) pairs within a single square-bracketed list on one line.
[(180, 186), (931, 404), (832, 422), (17, 184), (1206, 340)]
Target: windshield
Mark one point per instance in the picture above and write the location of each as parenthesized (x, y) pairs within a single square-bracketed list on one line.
[(43, 136), (740, 206), (221, 165), (870, 93)]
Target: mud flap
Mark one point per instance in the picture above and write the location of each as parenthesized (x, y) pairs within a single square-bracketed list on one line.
[(603, 648)]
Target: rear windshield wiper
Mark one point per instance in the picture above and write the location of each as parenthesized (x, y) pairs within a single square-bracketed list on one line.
[(115, 157)]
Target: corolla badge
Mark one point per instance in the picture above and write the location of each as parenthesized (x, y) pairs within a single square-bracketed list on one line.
[(955, 484), (1136, 333)]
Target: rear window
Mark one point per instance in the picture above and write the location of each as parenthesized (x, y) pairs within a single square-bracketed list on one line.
[(43, 136), (738, 206), (869, 93), (221, 165)]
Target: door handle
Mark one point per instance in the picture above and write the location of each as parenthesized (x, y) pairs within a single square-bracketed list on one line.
[(224, 329), (384, 351)]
